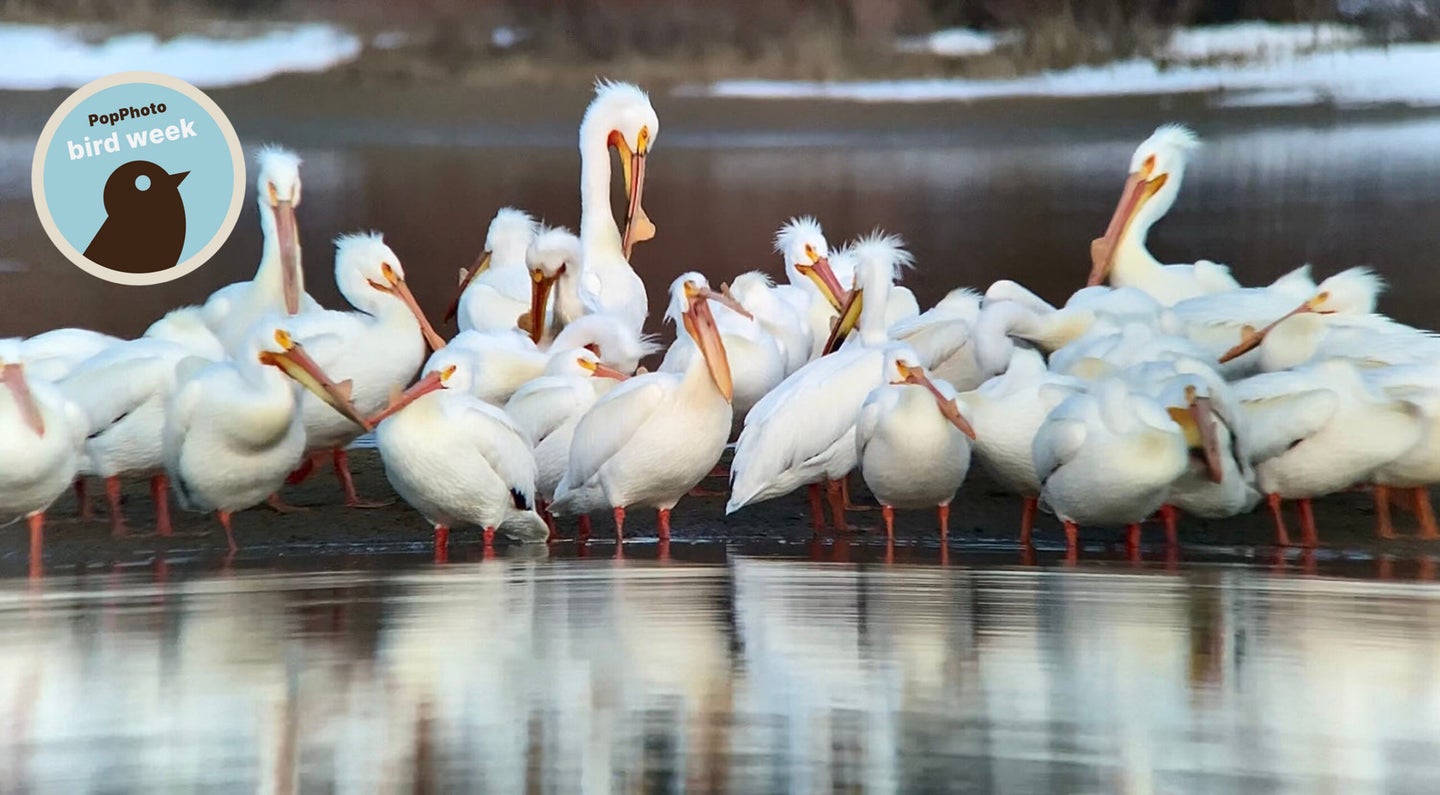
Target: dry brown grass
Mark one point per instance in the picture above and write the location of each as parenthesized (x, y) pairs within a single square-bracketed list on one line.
[(669, 41)]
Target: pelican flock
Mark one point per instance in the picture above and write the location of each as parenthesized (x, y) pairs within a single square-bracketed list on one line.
[(1154, 391)]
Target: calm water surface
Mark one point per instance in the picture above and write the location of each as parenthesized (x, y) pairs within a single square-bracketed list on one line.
[(752, 676), (1017, 199)]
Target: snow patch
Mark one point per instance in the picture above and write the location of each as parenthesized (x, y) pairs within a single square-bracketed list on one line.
[(1403, 74), (37, 57), (1259, 41), (954, 43)]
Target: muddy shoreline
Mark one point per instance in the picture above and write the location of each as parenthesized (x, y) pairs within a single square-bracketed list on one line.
[(984, 522)]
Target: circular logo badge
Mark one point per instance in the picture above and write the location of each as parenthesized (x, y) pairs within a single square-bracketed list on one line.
[(138, 178)]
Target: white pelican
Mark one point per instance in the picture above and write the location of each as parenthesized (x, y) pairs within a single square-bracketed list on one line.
[(186, 327), (1219, 480), (1108, 456), (1006, 412), (1156, 170), (41, 434), (1216, 322), (1419, 466), (279, 283), (656, 436), (899, 307), (777, 315), (555, 259), (621, 117), (233, 429), (757, 365), (495, 291), (548, 408), (1320, 429), (943, 336), (457, 459), (803, 432), (52, 355), (813, 288), (912, 442), (505, 361), (123, 392), (378, 347)]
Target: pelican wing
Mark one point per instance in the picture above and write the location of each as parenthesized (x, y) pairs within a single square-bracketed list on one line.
[(1283, 408), (800, 419), (937, 339), (611, 423), (880, 402), (1214, 277), (108, 388), (544, 404), (1058, 440), (499, 440), (179, 414)]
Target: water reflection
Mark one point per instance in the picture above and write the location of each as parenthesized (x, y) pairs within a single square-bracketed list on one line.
[(1025, 206), (756, 676)]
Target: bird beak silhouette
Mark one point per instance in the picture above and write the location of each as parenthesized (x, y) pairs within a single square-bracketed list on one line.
[(13, 376), (176, 179)]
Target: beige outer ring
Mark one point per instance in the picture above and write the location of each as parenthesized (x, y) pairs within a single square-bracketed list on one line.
[(42, 148)]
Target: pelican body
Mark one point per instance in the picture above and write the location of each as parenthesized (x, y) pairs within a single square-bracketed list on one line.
[(656, 436), (912, 442), (41, 438), (233, 429), (279, 283), (458, 460), (1156, 170)]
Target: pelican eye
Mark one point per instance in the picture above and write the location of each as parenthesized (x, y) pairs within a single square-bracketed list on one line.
[(446, 373), (274, 195), (1148, 168), (282, 338)]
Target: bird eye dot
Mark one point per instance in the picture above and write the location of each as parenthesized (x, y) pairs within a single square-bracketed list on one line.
[(142, 182)]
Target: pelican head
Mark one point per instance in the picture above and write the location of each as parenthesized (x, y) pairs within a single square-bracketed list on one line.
[(622, 116), (902, 367), (276, 348), (12, 375), (278, 192), (582, 363), (365, 265), (801, 242), (447, 368), (554, 252), (1352, 291), (1156, 170), (510, 233), (613, 340), (879, 258), (690, 305), (1195, 415)]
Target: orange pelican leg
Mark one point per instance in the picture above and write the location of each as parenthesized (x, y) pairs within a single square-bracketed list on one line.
[(1308, 535), (835, 492), (36, 521), (160, 495), (619, 524), (1027, 518), (442, 544), (112, 500), (224, 517), (347, 482), (943, 510), (1282, 536), (889, 514), (1383, 528), (87, 512), (1425, 512), (1171, 516), (662, 524)]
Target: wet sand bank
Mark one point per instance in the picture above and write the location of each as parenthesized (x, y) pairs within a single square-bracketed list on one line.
[(984, 525)]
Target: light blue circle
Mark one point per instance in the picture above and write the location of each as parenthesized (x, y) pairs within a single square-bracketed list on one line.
[(142, 182), (189, 140)]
